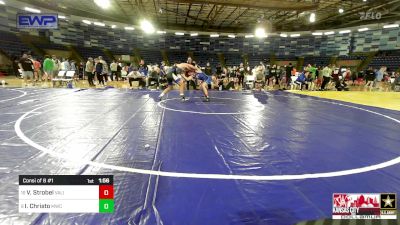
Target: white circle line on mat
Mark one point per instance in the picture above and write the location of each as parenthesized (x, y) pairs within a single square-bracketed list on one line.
[(71, 158), (20, 96), (209, 113)]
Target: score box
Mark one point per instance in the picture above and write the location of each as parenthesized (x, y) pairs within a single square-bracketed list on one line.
[(66, 194)]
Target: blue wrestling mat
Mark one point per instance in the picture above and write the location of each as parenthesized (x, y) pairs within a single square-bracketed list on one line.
[(242, 158)]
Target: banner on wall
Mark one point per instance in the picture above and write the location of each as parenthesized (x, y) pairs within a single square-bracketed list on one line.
[(37, 21)]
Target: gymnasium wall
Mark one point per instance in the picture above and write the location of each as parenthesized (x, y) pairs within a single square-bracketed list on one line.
[(121, 41)]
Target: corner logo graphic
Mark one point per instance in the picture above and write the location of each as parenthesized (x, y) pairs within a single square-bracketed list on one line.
[(37, 21), (364, 206)]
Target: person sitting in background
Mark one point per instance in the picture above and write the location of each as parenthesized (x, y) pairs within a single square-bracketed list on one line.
[(260, 77), (135, 75), (301, 80), (154, 76)]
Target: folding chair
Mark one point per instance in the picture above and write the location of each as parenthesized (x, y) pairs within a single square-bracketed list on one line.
[(69, 77), (60, 77)]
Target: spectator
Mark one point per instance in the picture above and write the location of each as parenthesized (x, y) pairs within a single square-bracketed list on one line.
[(326, 76), (241, 72), (99, 71), (57, 66), (369, 78), (27, 68), (37, 69), (65, 66), (208, 69), (48, 66), (114, 69), (89, 68), (289, 70), (104, 70)]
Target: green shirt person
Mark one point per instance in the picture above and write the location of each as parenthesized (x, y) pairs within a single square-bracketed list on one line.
[(313, 71), (48, 65)]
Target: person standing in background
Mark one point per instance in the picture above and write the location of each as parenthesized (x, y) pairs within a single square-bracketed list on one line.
[(241, 71), (57, 66), (208, 69), (26, 66), (119, 69), (104, 70), (37, 69), (48, 67), (89, 69), (326, 75), (369, 78), (99, 71), (289, 70), (65, 66), (114, 69)]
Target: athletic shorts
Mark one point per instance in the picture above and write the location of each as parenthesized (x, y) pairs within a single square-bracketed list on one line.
[(172, 78), (27, 74), (208, 81)]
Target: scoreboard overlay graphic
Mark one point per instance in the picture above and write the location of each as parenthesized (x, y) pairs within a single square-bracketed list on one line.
[(66, 194)]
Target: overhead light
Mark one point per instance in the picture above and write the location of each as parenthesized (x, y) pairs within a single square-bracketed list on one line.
[(147, 27), (260, 32), (391, 26), (344, 31), (317, 33), (179, 33), (295, 35), (61, 17), (87, 22), (363, 29), (329, 32), (161, 32), (312, 17), (231, 36), (364, 0), (194, 34), (214, 35), (341, 10), (129, 28), (249, 36), (99, 24), (113, 26), (283, 35), (103, 3), (32, 10), (2, 3)]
